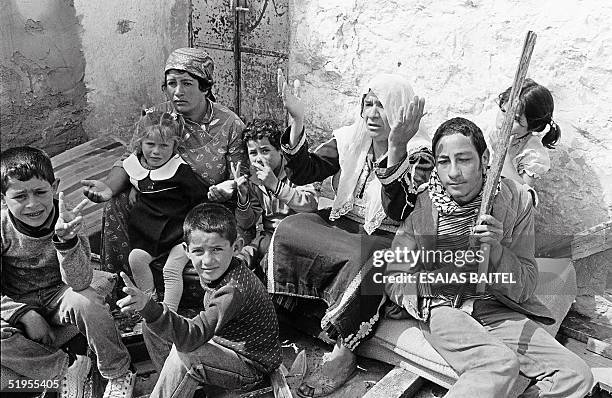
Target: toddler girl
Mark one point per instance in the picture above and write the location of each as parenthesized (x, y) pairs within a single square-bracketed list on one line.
[(167, 190)]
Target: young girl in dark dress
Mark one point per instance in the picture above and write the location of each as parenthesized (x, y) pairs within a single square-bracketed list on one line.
[(167, 190)]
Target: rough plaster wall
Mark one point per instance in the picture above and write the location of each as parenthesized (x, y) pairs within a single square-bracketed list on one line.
[(126, 44), (42, 94), (460, 55)]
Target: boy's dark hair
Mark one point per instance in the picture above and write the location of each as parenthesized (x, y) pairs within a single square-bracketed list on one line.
[(210, 217), (459, 125), (537, 103), (263, 128), (24, 163)]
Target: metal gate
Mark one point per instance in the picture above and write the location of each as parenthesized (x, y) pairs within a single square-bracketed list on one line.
[(248, 41)]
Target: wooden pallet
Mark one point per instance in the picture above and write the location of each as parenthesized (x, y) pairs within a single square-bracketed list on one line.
[(89, 161)]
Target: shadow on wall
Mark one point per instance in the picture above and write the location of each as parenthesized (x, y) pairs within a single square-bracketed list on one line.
[(42, 67), (571, 198)]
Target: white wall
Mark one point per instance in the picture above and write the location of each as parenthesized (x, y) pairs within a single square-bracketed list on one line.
[(460, 55)]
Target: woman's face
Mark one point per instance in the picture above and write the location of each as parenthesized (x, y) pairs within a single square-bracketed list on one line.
[(375, 117), (183, 91), (519, 128)]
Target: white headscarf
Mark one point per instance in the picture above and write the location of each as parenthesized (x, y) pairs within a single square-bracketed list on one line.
[(354, 142)]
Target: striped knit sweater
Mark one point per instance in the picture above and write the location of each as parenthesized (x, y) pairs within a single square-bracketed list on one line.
[(238, 314)]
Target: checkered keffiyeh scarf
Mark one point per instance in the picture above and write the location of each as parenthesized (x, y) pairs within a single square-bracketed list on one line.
[(455, 221)]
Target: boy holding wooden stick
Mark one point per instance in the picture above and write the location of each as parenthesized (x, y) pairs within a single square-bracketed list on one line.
[(488, 336)]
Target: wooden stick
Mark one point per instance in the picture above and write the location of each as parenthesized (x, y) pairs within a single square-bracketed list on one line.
[(494, 173), (279, 384)]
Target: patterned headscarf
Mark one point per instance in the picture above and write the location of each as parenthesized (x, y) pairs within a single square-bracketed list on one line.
[(192, 60), (445, 203)]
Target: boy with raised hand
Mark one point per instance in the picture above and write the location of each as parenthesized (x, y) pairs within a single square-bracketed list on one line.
[(267, 192), (46, 277), (233, 343)]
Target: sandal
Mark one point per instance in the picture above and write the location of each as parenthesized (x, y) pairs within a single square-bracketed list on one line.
[(319, 384)]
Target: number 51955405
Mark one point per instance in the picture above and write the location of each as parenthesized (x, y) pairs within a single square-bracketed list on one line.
[(31, 385)]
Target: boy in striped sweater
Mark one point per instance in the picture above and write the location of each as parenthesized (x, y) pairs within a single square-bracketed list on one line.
[(233, 342)]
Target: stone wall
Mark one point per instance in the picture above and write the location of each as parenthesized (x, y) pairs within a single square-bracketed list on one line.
[(460, 55), (75, 70), (126, 44), (42, 94)]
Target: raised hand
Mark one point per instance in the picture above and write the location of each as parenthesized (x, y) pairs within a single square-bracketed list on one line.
[(37, 328), (96, 191), (135, 300), (291, 99), (407, 124), (264, 175), (69, 223), (241, 182)]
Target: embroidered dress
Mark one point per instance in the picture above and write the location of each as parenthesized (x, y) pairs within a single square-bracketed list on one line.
[(155, 223), (324, 255)]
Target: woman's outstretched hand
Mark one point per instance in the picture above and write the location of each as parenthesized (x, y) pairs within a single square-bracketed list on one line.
[(96, 191), (403, 129), (222, 192), (407, 124)]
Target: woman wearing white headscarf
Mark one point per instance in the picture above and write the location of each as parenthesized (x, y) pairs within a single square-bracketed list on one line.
[(377, 164)]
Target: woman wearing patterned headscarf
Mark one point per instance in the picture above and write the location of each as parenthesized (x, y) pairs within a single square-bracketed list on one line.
[(210, 140), (377, 163)]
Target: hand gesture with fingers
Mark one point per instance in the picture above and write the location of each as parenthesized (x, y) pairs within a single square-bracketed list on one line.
[(407, 124), (265, 175), (96, 191), (135, 300), (69, 223), (241, 182), (291, 100)]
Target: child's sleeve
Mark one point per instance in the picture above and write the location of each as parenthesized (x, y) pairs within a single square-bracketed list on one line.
[(301, 198), (75, 264), (305, 167), (248, 213), (189, 334), (533, 161)]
